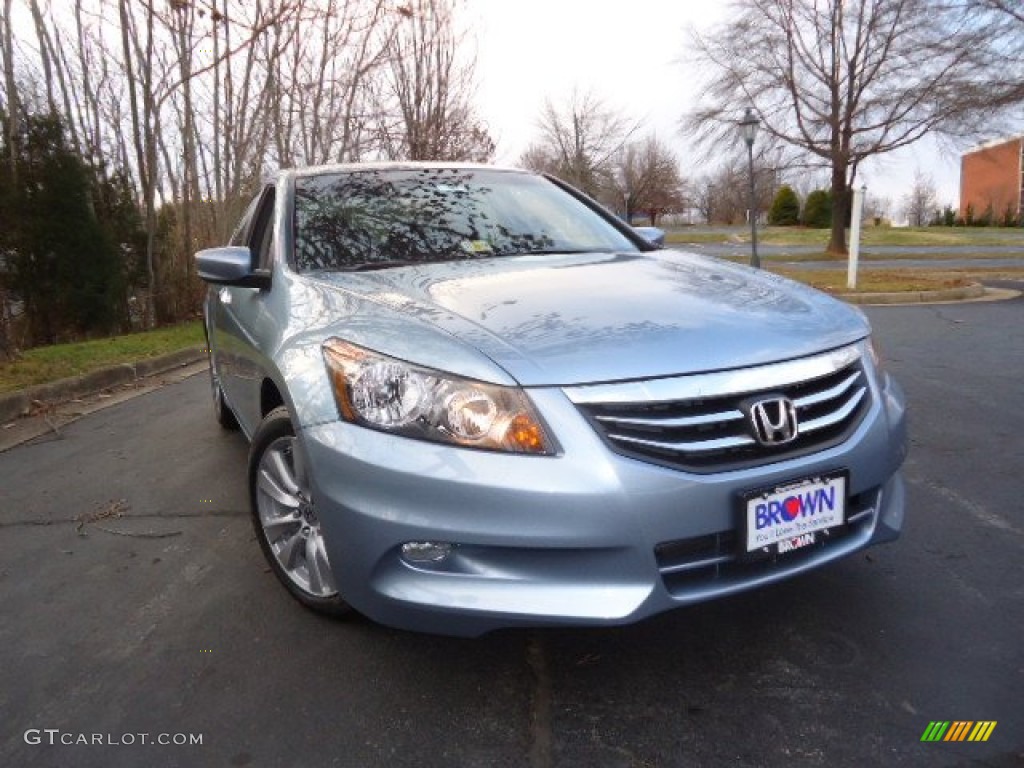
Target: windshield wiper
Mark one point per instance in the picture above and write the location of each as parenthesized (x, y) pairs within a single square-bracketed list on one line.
[(553, 251), (368, 266)]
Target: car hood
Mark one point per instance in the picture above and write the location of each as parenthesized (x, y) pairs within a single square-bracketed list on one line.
[(588, 318)]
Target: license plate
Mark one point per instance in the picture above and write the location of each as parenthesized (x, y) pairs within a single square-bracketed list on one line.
[(793, 516)]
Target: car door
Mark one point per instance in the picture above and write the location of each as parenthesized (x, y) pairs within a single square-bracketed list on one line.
[(240, 326)]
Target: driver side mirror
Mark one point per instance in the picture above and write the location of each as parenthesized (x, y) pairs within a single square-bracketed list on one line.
[(230, 265)]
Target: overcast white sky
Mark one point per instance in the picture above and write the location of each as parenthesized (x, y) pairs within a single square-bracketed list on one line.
[(629, 54)]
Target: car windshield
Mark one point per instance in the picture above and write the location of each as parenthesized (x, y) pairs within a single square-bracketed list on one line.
[(373, 219)]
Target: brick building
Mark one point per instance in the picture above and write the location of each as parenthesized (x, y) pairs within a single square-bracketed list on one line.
[(993, 175)]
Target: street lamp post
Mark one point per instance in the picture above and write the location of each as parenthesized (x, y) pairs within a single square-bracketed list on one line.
[(748, 127)]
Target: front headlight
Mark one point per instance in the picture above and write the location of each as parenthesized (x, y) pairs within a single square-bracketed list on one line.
[(394, 396)]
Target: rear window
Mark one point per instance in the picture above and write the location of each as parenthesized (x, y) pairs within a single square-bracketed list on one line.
[(379, 218)]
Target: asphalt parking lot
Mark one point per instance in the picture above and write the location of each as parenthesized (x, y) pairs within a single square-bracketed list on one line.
[(136, 607)]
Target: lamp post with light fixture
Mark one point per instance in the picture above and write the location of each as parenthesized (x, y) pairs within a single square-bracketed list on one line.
[(748, 128)]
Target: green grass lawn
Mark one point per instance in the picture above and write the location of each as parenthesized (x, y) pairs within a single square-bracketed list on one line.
[(933, 236), (885, 280), (44, 364), (834, 281)]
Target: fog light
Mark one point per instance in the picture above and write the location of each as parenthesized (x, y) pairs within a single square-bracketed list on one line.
[(426, 551)]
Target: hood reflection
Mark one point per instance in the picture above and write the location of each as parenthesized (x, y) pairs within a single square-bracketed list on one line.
[(605, 317)]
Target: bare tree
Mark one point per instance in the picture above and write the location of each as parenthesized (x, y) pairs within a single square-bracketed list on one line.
[(9, 111), (843, 81), (705, 198), (721, 196), (539, 158), (322, 67), (876, 208), (919, 204), (646, 178), (579, 142), (1003, 23), (138, 58), (190, 102), (12, 107), (159, 70), (425, 99)]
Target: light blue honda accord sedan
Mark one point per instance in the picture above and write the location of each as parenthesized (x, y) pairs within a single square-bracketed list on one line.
[(475, 399)]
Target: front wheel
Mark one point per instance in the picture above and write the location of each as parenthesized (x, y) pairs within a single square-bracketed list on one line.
[(285, 519)]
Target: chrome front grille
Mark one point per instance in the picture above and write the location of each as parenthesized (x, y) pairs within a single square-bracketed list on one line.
[(702, 423)]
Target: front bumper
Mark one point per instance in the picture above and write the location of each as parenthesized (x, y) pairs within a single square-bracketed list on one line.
[(588, 537)]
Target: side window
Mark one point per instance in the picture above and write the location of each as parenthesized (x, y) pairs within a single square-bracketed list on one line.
[(262, 236)]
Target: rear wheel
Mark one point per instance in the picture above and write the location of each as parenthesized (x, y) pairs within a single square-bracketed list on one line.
[(285, 518)]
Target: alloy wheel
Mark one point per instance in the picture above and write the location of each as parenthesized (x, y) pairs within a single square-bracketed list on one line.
[(288, 517)]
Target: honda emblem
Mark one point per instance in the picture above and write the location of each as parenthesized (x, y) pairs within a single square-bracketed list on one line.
[(774, 421)]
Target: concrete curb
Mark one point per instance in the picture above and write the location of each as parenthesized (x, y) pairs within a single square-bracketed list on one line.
[(972, 291), (15, 404)]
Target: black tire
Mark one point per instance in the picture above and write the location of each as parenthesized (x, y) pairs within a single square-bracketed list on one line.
[(284, 517)]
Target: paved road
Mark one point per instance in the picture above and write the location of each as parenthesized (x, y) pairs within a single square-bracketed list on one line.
[(180, 629)]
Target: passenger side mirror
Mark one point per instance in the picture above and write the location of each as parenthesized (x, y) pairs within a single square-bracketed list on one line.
[(653, 235), (230, 265)]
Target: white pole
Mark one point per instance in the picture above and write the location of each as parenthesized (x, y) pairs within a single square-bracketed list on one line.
[(858, 205)]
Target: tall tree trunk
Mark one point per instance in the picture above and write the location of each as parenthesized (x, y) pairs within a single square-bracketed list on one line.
[(13, 106), (11, 124), (44, 55), (149, 135), (840, 208), (141, 157), (218, 187), (190, 181)]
